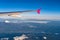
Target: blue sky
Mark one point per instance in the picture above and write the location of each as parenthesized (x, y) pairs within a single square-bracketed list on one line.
[(48, 7)]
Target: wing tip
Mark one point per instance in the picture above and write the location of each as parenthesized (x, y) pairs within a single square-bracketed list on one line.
[(38, 11)]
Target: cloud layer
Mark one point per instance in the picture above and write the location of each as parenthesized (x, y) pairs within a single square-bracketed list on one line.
[(33, 17)]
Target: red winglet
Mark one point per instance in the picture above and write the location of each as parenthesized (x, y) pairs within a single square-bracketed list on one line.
[(38, 11)]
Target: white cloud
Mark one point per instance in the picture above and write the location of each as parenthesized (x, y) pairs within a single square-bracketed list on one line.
[(25, 21), (45, 37), (21, 37), (42, 17), (6, 21), (56, 33), (38, 21)]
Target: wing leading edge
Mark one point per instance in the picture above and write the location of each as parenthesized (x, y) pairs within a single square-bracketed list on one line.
[(38, 11)]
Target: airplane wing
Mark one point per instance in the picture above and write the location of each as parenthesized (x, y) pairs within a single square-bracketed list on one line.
[(15, 13)]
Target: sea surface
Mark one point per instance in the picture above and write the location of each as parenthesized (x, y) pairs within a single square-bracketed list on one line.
[(37, 30)]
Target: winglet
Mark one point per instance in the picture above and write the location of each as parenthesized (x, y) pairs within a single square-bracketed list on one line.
[(38, 11)]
